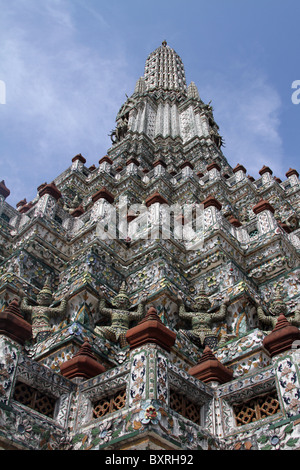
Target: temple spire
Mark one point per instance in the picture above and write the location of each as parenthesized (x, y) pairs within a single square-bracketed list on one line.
[(164, 70)]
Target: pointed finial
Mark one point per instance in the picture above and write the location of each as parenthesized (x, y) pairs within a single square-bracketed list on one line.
[(47, 287), (278, 305), (193, 91), (164, 43), (140, 86), (202, 289), (122, 294), (123, 288)]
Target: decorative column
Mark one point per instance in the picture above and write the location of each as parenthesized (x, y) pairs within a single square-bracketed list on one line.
[(49, 195), (266, 175), (282, 337), (149, 342), (293, 176), (187, 169), (132, 166), (104, 212), (238, 231), (154, 202), (240, 172), (4, 193), (266, 219), (213, 170), (212, 208), (282, 340), (159, 168), (105, 164), (78, 162), (14, 332)]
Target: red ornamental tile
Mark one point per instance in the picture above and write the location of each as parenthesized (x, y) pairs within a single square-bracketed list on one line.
[(155, 197), (265, 169), (151, 330), (79, 157), (235, 222), (210, 369), (4, 191), (13, 325), (238, 168), (263, 205), (50, 189), (133, 160), (103, 193), (83, 364), (282, 337), (105, 159), (211, 201), (159, 162), (185, 164), (25, 208), (21, 203), (78, 211), (291, 172), (213, 165), (284, 226)]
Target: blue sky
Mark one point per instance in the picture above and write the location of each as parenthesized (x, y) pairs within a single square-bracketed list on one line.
[(67, 65)]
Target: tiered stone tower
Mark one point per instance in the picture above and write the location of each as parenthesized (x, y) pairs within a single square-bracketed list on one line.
[(116, 332)]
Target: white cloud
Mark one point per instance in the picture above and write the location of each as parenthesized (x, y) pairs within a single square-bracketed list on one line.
[(62, 95), (247, 108)]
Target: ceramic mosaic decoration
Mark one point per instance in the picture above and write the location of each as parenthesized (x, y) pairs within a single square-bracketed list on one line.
[(151, 301)]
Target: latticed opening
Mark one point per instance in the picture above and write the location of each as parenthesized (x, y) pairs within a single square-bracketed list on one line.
[(184, 406), (256, 409), (34, 399), (109, 404)]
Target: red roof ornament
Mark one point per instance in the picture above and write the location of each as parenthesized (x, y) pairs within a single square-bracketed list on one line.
[(105, 159), (4, 191), (211, 201), (265, 169), (155, 197), (79, 157), (210, 369), (291, 172), (103, 193), (13, 325), (83, 364), (235, 222), (78, 211), (185, 164), (263, 205), (151, 330), (50, 189), (281, 337), (239, 167)]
